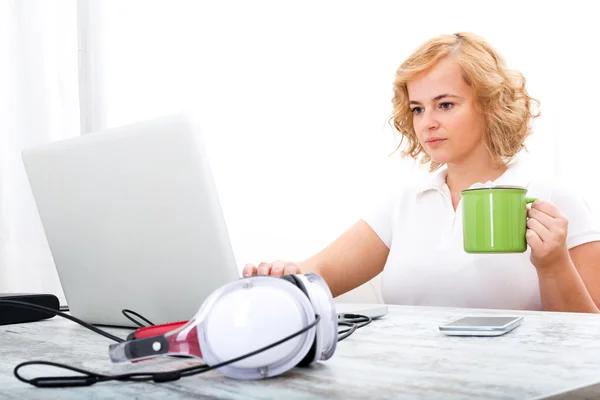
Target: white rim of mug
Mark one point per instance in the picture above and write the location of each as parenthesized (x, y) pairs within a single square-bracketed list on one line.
[(496, 187)]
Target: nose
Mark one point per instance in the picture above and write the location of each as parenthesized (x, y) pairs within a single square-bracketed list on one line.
[(429, 121)]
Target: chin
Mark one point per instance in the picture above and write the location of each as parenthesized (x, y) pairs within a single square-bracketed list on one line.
[(440, 158)]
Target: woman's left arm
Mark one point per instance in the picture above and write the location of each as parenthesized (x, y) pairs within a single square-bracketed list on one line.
[(569, 279)]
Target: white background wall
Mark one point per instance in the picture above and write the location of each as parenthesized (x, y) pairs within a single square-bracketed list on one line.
[(38, 104)]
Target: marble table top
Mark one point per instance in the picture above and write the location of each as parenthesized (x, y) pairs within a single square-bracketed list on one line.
[(401, 356)]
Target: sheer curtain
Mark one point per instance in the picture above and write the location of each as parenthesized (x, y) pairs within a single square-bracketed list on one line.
[(39, 103)]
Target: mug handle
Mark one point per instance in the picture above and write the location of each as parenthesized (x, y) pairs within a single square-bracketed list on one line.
[(529, 200)]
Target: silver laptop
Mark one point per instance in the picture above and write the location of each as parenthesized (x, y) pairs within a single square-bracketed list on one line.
[(133, 221)]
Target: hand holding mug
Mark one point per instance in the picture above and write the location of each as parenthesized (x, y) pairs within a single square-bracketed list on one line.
[(546, 234), (276, 268)]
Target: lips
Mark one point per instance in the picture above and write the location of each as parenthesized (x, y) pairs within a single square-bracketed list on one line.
[(435, 140), (434, 143)]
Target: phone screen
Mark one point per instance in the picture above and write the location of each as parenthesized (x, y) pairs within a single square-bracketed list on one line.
[(482, 321)]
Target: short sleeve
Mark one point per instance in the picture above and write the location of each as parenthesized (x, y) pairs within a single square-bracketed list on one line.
[(381, 217), (583, 222)]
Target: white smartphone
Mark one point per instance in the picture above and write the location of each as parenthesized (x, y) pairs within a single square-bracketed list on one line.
[(481, 326)]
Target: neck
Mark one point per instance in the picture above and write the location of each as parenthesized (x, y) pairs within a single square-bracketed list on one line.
[(462, 175)]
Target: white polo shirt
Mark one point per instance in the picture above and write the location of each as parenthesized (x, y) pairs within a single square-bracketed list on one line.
[(427, 264)]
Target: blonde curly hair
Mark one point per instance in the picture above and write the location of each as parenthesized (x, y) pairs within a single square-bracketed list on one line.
[(500, 92)]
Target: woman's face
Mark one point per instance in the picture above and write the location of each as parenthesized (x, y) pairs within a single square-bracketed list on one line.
[(445, 114)]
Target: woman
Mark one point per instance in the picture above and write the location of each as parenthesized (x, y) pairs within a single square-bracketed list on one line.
[(463, 112)]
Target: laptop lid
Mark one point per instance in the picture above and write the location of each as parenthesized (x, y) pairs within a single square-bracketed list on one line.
[(133, 220)]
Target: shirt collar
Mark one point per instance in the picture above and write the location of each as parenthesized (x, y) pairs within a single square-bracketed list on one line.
[(435, 180), (517, 174)]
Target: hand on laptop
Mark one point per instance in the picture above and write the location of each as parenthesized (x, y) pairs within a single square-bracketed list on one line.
[(275, 268)]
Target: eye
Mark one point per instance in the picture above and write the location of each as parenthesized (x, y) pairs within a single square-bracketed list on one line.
[(417, 110), (446, 105)]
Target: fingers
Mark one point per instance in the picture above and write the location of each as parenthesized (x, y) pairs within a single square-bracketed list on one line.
[(249, 270), (547, 208), (548, 215), (263, 268), (545, 219), (276, 268), (291, 269), (541, 229), (533, 239)]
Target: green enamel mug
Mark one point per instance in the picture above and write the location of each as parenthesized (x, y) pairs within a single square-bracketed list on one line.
[(495, 219)]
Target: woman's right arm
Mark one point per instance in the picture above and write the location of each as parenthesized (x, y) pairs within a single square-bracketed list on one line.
[(353, 259)]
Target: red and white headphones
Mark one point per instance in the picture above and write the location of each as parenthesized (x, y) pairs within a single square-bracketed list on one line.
[(269, 325)]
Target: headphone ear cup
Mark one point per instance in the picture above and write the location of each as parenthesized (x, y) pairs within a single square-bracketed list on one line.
[(310, 356)]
